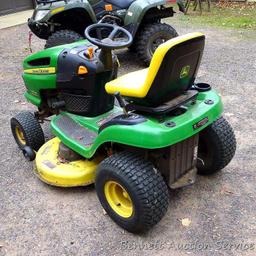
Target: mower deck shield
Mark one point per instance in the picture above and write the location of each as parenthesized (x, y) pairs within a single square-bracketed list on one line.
[(52, 170)]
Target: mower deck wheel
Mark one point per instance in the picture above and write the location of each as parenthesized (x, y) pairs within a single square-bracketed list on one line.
[(217, 146), (132, 191), (27, 131), (29, 153), (62, 37)]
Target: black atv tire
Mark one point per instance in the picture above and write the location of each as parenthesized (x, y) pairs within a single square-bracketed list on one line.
[(144, 186), (217, 147), (150, 37), (27, 131), (62, 37)]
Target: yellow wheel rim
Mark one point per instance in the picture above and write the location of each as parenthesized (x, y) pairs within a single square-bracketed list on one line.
[(118, 199), (20, 135)]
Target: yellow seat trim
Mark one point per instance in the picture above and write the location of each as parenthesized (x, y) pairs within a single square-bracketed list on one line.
[(138, 83)]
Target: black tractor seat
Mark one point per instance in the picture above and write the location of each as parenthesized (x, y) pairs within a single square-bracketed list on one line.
[(168, 79), (122, 4)]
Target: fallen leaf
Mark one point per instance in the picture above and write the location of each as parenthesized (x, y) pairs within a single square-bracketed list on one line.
[(186, 222), (229, 114), (226, 191)]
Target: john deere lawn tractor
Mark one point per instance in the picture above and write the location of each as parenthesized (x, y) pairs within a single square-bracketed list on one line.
[(167, 128), (62, 22)]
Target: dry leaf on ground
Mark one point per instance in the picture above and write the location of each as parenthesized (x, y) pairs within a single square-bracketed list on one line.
[(186, 222)]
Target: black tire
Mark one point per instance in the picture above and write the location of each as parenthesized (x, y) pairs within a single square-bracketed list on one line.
[(150, 37), (62, 37), (32, 133), (145, 187), (133, 47), (217, 147), (29, 153)]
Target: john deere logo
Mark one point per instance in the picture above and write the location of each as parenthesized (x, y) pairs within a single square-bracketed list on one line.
[(184, 71)]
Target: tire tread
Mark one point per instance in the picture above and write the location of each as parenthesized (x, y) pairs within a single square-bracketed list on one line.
[(223, 134), (33, 132), (69, 35), (151, 189), (145, 33)]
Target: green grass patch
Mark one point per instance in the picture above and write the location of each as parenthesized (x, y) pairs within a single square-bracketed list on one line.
[(238, 16)]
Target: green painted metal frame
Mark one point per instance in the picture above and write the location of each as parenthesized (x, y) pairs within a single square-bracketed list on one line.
[(151, 134)]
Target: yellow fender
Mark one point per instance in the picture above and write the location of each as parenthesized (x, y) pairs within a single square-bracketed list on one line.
[(63, 174)]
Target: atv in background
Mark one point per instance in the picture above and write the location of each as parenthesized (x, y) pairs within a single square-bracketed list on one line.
[(64, 21)]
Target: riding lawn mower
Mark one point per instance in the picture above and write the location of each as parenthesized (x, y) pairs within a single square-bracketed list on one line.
[(64, 21), (165, 129)]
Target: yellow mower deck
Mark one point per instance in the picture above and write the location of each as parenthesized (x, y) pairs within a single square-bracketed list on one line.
[(63, 174)]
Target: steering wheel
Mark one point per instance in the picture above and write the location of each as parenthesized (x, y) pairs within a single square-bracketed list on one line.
[(96, 34)]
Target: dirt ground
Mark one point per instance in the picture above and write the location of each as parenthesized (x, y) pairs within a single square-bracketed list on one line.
[(36, 219)]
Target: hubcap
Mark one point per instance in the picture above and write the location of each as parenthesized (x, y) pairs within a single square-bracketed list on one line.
[(118, 199), (157, 42), (20, 135)]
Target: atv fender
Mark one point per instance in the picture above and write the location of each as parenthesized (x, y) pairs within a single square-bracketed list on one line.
[(137, 11), (83, 6), (57, 8)]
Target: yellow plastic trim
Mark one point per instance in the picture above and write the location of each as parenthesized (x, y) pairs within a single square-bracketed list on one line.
[(118, 199), (138, 83), (82, 70), (70, 174), (40, 71)]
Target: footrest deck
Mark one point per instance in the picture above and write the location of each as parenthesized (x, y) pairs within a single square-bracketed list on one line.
[(75, 131)]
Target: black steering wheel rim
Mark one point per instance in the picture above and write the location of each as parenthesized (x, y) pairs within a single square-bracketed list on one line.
[(108, 42)]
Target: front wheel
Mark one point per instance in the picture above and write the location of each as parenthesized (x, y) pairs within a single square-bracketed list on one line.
[(62, 37), (131, 191), (27, 131), (217, 146), (150, 37)]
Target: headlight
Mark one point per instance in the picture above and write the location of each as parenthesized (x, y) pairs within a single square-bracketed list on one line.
[(40, 14)]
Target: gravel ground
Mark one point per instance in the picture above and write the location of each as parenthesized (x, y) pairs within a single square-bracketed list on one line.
[(36, 219)]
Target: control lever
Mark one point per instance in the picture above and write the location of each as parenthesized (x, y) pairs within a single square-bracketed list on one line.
[(121, 102)]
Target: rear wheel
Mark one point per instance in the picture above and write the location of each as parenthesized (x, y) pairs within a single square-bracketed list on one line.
[(131, 191), (62, 37), (150, 37), (27, 131), (217, 146)]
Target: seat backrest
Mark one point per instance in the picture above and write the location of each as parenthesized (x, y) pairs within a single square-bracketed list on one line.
[(173, 68)]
